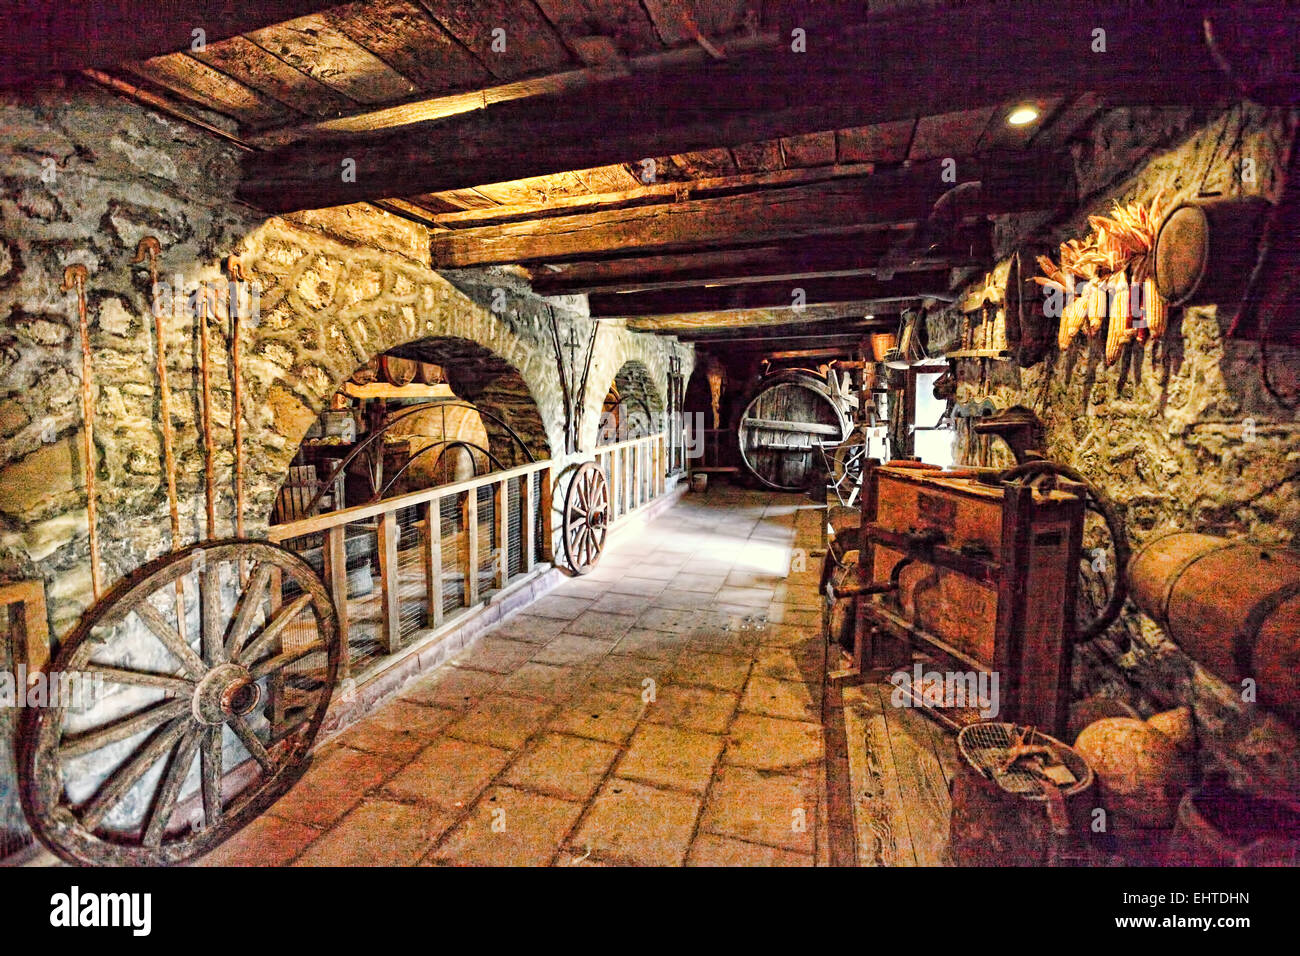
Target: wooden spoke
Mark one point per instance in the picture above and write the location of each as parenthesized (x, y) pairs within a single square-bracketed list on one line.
[(170, 638), (165, 800), (273, 629), (210, 771), (272, 664), (123, 675), (128, 774), (80, 744), (251, 742), (214, 647), (249, 604)]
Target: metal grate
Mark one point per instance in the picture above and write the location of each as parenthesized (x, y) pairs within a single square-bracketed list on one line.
[(986, 747)]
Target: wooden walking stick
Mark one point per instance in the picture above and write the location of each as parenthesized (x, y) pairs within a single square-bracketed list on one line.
[(149, 249), (74, 277), (209, 475), (235, 268)]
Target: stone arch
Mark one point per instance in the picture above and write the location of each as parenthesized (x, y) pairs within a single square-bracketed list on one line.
[(328, 309), (642, 405), (646, 358)]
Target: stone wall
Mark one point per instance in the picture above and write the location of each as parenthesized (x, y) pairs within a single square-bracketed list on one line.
[(86, 176), (1178, 432)]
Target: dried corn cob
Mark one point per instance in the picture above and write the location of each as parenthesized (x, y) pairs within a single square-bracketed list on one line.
[(1118, 332)]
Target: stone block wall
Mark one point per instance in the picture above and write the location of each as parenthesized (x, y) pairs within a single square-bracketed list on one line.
[(1179, 433), (86, 176)]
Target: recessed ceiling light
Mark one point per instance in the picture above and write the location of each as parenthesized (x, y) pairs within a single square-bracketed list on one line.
[(1022, 116)]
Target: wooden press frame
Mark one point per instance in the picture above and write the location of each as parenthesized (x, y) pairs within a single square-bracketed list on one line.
[(1009, 572)]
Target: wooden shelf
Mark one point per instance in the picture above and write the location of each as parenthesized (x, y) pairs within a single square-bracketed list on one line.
[(384, 390), (1001, 355)]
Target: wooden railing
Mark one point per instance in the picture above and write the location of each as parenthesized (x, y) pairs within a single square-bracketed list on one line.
[(439, 552), (635, 470), (401, 567)]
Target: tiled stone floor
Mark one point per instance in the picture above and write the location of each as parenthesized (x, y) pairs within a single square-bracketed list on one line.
[(663, 710)]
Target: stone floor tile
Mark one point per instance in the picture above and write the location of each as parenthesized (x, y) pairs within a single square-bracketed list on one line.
[(672, 620), (333, 785), (647, 587), (629, 675), (510, 827), (450, 773), (379, 833), (801, 662), (712, 850), (501, 721), (693, 708), (656, 645), (670, 757), (452, 687), (771, 743), (719, 671), (529, 628), (632, 823), (805, 617), (558, 606), (599, 715), (744, 597), (601, 624), (495, 654), (577, 650), (793, 700), (614, 603), (681, 599), (267, 841), (775, 809), (543, 682), (562, 766)]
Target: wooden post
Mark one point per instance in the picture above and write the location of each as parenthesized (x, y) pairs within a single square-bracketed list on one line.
[(528, 517), (544, 501), (29, 630), (469, 558), (501, 512), (1009, 639), (431, 552), (627, 475), (389, 599), (336, 579)]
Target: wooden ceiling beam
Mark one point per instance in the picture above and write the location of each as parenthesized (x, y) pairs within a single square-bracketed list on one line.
[(45, 37), (876, 68), (839, 256), (1009, 184), (794, 296)]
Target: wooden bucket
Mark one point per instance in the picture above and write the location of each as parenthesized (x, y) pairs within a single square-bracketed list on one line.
[(1206, 251), (1233, 606), (1222, 827)]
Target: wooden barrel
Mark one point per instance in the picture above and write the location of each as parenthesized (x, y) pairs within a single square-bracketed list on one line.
[(1206, 251), (398, 371), (782, 424), (1233, 606)]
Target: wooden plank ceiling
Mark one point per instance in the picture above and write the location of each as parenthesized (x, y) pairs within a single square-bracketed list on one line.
[(682, 239)]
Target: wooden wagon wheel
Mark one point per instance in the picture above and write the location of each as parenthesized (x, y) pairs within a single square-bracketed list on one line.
[(110, 776), (586, 518)]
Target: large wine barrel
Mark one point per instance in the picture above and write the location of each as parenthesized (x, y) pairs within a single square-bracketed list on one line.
[(1233, 606), (782, 425)]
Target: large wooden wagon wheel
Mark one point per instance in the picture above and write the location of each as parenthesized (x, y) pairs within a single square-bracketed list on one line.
[(175, 742), (586, 518)]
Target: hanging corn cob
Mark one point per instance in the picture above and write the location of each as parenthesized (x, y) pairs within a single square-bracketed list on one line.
[(1119, 332)]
